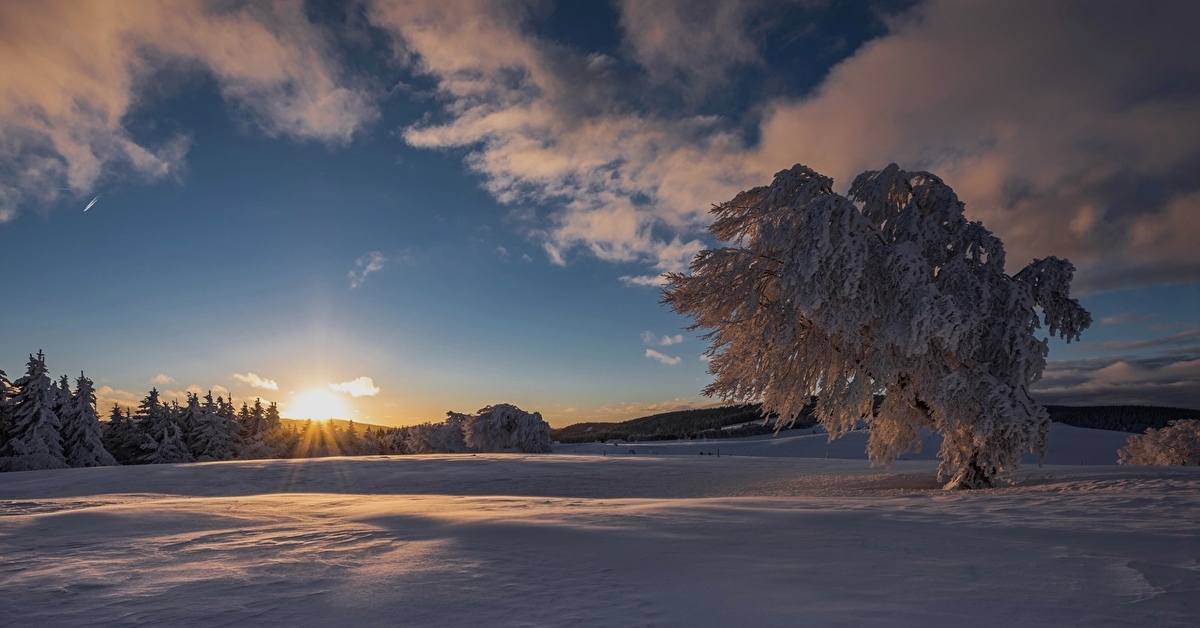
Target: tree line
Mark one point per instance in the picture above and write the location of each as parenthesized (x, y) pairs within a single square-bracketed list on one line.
[(44, 424)]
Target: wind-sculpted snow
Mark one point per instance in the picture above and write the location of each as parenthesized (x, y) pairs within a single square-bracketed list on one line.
[(569, 540)]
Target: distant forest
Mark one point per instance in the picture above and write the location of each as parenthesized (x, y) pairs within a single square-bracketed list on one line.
[(714, 422), (44, 424), (1133, 419)]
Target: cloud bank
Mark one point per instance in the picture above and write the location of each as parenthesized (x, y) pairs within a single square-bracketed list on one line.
[(74, 73), (1069, 129)]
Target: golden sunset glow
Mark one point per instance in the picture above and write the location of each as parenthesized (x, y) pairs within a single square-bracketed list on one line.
[(317, 404)]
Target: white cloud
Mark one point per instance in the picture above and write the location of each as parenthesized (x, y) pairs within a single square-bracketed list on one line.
[(255, 381), (360, 387), (665, 359), (370, 262), (162, 379), (75, 73), (706, 358), (650, 338)]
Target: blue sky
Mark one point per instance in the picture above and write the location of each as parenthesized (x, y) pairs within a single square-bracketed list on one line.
[(440, 205)]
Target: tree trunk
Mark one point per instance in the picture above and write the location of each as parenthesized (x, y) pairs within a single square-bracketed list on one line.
[(973, 476)]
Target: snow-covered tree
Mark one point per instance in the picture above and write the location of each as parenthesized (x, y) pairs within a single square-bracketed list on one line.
[(1177, 444), (369, 444), (262, 432), (189, 418), (226, 410), (34, 438), (151, 415), (505, 426), (433, 438), (82, 441), (122, 438), (898, 294), (62, 400), (213, 435), (168, 447), (351, 441), (6, 395)]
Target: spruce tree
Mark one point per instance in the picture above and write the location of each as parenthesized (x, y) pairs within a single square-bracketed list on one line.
[(264, 434), (62, 399), (168, 447), (353, 444), (34, 442), (82, 441), (212, 438), (150, 414), (122, 438), (6, 395), (189, 419)]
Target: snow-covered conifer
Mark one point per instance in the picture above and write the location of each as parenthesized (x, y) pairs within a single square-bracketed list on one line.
[(212, 438), (82, 441), (6, 395), (62, 399), (262, 431), (189, 418), (122, 438), (168, 447), (901, 295), (151, 415), (351, 441), (34, 439), (246, 425), (271, 421), (369, 444)]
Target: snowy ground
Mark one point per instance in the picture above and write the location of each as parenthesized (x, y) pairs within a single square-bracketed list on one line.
[(591, 540)]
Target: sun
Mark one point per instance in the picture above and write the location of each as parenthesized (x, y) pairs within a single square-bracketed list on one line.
[(317, 404)]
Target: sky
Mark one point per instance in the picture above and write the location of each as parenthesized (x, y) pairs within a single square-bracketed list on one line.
[(388, 210)]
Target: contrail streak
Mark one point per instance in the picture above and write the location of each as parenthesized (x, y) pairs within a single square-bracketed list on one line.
[(89, 205)]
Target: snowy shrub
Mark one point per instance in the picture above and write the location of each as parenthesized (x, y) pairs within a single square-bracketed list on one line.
[(505, 426), (1178, 444), (898, 295), (435, 438)]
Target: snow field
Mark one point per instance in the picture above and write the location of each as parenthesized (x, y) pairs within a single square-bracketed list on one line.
[(557, 540)]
